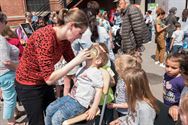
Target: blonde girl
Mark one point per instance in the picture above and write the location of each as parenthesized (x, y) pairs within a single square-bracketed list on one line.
[(142, 104), (122, 63)]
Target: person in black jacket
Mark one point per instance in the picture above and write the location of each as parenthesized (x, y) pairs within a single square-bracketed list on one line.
[(170, 20), (134, 31)]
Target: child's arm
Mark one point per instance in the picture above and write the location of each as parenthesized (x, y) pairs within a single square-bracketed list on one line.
[(173, 111), (116, 105), (112, 82), (171, 45), (183, 37), (112, 79), (93, 110)]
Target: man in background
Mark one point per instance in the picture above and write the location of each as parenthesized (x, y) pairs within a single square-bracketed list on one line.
[(134, 31)]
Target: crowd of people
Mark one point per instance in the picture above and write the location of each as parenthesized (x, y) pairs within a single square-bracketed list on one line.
[(72, 48)]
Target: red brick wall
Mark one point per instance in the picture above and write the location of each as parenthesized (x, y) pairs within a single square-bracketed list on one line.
[(14, 11), (55, 5)]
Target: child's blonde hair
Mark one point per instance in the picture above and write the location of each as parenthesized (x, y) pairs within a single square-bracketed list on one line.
[(124, 62), (100, 51), (137, 86)]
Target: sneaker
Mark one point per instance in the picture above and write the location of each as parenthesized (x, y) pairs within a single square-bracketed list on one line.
[(162, 65), (157, 62)]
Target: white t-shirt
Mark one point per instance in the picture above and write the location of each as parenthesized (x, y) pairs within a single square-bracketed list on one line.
[(178, 37), (87, 80), (149, 20), (144, 115)]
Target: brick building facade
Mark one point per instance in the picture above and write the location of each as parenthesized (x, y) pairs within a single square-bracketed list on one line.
[(16, 10)]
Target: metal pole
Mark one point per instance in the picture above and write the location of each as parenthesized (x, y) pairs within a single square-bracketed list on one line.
[(186, 4)]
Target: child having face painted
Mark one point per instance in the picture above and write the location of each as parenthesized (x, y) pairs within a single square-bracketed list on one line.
[(87, 90)]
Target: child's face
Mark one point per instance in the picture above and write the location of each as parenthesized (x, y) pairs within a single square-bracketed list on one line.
[(172, 68)]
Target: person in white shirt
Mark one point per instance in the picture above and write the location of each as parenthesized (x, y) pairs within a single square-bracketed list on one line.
[(177, 39), (149, 22), (8, 63), (184, 24)]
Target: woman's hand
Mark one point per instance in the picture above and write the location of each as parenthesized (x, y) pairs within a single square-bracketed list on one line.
[(166, 26), (82, 56)]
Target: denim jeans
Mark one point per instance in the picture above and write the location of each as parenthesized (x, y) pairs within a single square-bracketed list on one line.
[(177, 48), (9, 94), (168, 42), (62, 109), (150, 32)]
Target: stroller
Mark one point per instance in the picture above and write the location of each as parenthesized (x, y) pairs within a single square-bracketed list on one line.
[(116, 38)]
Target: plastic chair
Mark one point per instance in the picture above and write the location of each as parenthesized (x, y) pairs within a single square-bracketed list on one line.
[(82, 117), (106, 77)]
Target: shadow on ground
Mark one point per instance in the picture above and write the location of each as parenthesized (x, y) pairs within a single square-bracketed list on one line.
[(154, 78), (153, 57)]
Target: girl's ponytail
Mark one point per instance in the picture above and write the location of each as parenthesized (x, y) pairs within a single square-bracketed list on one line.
[(60, 17)]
